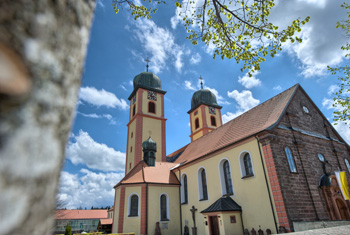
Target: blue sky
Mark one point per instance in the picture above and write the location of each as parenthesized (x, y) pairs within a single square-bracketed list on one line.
[(117, 50)]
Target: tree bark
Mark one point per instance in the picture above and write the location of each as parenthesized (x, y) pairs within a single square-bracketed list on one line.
[(42, 50)]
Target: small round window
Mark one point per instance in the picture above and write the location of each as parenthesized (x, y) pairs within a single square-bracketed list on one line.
[(305, 109), (321, 157)]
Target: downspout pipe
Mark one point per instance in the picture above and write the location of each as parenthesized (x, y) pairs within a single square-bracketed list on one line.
[(146, 208), (180, 202), (267, 184)]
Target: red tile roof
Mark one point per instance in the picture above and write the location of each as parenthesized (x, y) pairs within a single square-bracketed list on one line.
[(106, 221), (262, 117), (158, 174), (81, 214)]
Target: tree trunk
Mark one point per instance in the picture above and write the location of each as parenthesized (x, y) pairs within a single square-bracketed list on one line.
[(42, 50)]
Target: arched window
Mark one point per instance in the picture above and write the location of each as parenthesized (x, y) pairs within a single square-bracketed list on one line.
[(164, 213), (184, 190), (247, 169), (347, 164), (202, 185), (151, 107), (213, 121), (290, 160), (196, 123), (133, 110), (225, 177), (133, 205)]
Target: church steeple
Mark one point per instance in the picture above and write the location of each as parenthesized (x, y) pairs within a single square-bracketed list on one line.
[(146, 114), (205, 113)]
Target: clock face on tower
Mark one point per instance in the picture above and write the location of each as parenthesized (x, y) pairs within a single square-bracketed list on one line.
[(212, 110), (152, 95)]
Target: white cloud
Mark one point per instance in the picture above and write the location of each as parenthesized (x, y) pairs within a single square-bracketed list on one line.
[(321, 40), (250, 82), (221, 100), (92, 189), (189, 86), (190, 9), (332, 89), (344, 130), (178, 61), (195, 59), (277, 88), (244, 100), (160, 43), (100, 3), (101, 98), (84, 150), (229, 116), (109, 117), (123, 87), (328, 104)]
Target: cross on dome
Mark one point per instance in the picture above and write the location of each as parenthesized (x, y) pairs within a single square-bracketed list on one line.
[(147, 60)]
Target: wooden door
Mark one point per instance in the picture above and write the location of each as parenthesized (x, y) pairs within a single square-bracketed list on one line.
[(214, 225), (342, 210)]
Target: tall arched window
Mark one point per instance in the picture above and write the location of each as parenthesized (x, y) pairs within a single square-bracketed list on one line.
[(184, 190), (196, 123), (213, 121), (225, 177), (164, 208), (134, 205), (247, 161), (347, 164), (202, 184), (133, 110), (290, 160), (151, 107)]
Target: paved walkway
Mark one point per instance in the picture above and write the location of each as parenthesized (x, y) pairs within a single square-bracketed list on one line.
[(341, 230)]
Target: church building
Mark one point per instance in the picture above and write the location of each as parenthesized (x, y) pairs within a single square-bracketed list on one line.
[(271, 169)]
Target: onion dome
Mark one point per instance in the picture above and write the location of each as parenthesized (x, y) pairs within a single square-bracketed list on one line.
[(203, 96), (147, 80), (149, 145)]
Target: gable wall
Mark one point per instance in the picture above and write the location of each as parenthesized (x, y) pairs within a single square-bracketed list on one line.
[(296, 192)]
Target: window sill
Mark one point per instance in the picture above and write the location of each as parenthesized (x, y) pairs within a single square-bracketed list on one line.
[(247, 176), (184, 203), (203, 199), (164, 220), (227, 194), (133, 216)]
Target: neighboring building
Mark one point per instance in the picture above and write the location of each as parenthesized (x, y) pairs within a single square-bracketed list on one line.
[(79, 220), (105, 225), (270, 168)]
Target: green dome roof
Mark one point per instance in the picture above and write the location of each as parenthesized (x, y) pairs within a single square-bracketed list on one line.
[(203, 96), (147, 80), (149, 144)]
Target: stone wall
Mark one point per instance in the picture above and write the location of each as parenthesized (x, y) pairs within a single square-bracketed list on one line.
[(302, 197)]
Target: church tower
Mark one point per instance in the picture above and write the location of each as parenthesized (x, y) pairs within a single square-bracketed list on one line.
[(146, 117), (205, 113)]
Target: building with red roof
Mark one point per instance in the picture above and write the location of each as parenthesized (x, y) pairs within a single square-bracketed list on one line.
[(79, 220), (271, 169)]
